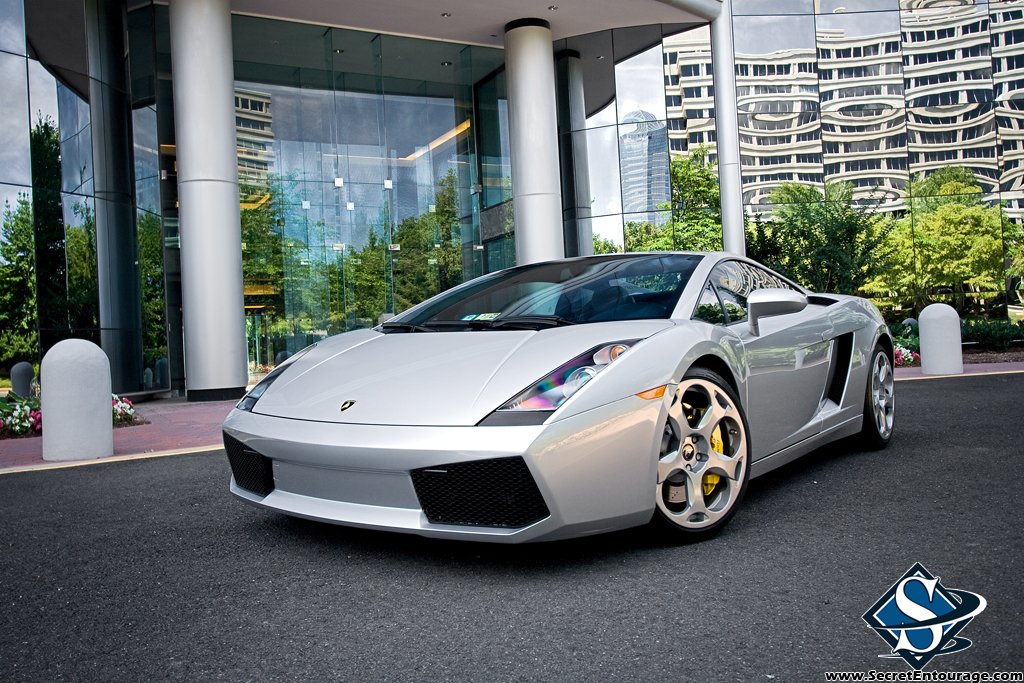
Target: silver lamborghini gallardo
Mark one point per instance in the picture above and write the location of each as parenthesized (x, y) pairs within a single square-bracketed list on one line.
[(566, 398)]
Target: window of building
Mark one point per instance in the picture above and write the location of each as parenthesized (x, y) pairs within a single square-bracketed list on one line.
[(775, 160), (863, 165), (943, 155)]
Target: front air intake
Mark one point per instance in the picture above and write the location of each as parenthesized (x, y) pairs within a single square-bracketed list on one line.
[(495, 493), (252, 471)]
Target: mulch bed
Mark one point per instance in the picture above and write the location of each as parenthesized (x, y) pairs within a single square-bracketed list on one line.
[(973, 356)]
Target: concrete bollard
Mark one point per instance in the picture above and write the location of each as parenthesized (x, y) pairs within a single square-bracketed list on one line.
[(147, 379), (22, 375), (77, 418), (941, 352), (163, 380)]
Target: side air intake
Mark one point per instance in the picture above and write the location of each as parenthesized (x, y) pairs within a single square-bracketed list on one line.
[(252, 471)]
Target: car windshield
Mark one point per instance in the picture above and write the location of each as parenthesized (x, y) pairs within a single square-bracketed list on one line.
[(584, 290)]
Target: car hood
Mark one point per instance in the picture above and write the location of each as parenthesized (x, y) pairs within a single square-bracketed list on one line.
[(436, 378)]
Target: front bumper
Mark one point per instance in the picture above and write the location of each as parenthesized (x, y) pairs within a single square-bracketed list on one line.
[(595, 471)]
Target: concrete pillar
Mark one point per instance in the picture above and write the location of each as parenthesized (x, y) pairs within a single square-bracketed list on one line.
[(727, 132), (77, 417), (22, 375), (941, 350), (117, 254), (533, 138), (213, 307)]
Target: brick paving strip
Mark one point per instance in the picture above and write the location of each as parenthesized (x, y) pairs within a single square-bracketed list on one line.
[(174, 427), (179, 427)]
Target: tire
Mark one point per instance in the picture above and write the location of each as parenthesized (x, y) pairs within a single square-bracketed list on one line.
[(706, 433), (879, 408)]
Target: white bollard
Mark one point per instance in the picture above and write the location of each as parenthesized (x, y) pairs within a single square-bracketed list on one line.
[(77, 418), (941, 352)]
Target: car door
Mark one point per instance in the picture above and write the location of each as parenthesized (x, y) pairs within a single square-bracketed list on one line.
[(787, 362)]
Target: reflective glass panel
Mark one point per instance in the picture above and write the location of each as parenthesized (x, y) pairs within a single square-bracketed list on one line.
[(12, 26), (638, 85), (14, 120), (957, 136)]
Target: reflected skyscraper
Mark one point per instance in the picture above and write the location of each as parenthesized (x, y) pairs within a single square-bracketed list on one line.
[(644, 165), (255, 136)]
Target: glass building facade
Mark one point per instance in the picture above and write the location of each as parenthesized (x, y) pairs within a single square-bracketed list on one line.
[(879, 95), (374, 170)]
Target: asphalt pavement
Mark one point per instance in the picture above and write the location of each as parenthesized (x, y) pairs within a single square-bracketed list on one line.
[(149, 570)]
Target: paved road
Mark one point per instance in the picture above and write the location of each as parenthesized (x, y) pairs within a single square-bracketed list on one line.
[(148, 570)]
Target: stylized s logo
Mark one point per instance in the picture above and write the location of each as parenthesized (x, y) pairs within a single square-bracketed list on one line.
[(917, 612)]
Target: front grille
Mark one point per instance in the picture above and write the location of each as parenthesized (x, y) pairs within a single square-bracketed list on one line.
[(496, 493), (252, 471)]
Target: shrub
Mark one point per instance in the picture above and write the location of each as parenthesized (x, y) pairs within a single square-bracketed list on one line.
[(994, 335)]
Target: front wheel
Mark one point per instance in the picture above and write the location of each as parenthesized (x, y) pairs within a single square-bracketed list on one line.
[(879, 406), (703, 466)]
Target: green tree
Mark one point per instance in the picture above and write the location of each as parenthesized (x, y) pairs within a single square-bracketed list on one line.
[(18, 339), (693, 216), (951, 243), (83, 289), (821, 240), (48, 218), (696, 223), (605, 246), (151, 271)]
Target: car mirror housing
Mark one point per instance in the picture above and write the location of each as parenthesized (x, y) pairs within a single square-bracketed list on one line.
[(763, 303)]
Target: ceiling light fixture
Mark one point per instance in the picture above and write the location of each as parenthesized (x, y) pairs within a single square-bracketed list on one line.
[(552, 7), (446, 14), (338, 51), (446, 63)]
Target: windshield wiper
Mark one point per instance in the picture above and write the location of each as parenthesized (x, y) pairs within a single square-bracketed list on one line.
[(522, 322), (406, 327)]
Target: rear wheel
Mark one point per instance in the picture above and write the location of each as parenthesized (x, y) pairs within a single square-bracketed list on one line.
[(879, 408), (704, 462)]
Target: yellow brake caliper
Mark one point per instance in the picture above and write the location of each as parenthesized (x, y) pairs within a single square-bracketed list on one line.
[(710, 480)]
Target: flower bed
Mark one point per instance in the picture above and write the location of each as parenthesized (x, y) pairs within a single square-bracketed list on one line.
[(23, 417)]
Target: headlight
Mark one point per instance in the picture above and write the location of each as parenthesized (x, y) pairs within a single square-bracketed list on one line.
[(553, 390), (249, 400)]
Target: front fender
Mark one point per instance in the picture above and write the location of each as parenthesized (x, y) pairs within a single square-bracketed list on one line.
[(661, 359)]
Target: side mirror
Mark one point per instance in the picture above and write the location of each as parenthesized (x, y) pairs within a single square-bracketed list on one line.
[(763, 303)]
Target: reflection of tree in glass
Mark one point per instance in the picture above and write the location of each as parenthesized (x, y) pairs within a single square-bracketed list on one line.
[(17, 284), (80, 246), (953, 238), (1013, 243), (821, 240), (429, 260), (51, 264), (694, 214), (151, 271)]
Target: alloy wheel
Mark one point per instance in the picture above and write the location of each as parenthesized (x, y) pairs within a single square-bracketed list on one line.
[(704, 456)]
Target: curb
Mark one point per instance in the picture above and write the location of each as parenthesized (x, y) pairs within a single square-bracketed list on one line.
[(114, 458)]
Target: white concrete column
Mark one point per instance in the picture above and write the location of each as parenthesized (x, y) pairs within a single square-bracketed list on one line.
[(533, 138), (213, 307), (727, 131)]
